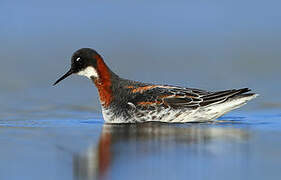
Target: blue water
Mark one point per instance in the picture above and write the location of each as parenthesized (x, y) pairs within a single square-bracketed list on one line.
[(58, 132), (240, 145)]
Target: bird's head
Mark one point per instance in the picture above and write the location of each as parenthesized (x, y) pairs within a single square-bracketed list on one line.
[(84, 62)]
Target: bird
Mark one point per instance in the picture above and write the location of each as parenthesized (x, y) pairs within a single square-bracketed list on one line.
[(128, 101)]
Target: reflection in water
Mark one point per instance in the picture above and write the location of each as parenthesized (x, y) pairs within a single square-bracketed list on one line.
[(119, 143)]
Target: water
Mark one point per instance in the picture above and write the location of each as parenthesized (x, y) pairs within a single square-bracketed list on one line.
[(58, 132), (241, 145)]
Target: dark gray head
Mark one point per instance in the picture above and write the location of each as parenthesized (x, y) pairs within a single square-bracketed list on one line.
[(84, 63)]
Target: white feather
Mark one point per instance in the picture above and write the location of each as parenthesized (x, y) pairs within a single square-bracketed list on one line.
[(88, 72)]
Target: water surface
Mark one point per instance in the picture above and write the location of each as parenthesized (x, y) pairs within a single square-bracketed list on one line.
[(240, 145), (58, 132)]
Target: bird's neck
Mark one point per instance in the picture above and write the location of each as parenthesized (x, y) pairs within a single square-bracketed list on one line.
[(104, 82)]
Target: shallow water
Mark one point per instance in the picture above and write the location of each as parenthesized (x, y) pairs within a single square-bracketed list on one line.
[(240, 145), (58, 132)]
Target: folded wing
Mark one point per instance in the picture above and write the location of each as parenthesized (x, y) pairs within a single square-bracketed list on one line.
[(194, 98)]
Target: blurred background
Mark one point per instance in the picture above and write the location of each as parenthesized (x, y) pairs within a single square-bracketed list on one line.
[(58, 132), (210, 45)]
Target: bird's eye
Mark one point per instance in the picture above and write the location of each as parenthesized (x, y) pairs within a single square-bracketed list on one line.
[(78, 59)]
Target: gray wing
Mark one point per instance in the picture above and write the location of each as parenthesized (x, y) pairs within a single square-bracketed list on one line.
[(195, 98), (178, 97)]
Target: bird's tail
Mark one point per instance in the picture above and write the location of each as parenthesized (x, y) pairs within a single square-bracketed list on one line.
[(235, 100), (241, 95)]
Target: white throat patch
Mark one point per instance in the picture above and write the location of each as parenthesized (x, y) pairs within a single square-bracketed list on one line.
[(88, 72)]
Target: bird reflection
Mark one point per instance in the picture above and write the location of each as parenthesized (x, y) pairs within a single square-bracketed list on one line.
[(119, 142)]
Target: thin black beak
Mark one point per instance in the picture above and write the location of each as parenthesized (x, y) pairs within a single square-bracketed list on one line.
[(63, 77)]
